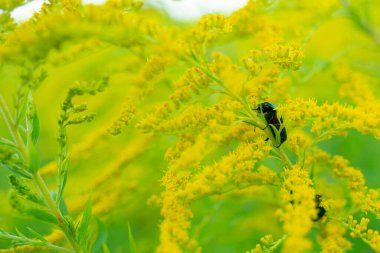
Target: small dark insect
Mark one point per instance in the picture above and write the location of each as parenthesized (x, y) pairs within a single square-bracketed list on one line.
[(318, 200), (270, 114), (321, 209)]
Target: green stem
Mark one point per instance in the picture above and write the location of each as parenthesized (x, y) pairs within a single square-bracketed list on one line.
[(277, 243), (361, 23), (244, 187), (369, 243), (13, 129), (41, 185), (36, 243), (37, 179), (267, 130), (7, 116), (285, 158)]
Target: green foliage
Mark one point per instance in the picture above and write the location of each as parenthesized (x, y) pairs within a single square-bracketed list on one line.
[(68, 109), (20, 239), (83, 229), (101, 236), (190, 153), (131, 241), (22, 158)]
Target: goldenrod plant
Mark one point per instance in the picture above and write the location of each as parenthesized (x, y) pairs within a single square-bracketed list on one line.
[(125, 131)]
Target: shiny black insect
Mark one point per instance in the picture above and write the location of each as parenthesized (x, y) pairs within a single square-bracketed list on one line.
[(321, 209), (270, 114)]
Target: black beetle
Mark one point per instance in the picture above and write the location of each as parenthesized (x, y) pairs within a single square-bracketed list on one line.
[(270, 114), (321, 209)]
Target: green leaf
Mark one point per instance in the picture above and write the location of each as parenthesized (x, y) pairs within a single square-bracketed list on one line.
[(18, 232), (63, 178), (35, 127), (85, 223), (277, 135), (7, 143), (20, 239), (101, 236), (131, 241), (105, 249), (36, 235), (34, 161), (41, 215), (311, 174), (63, 207), (249, 122), (244, 114), (22, 112), (62, 204), (17, 170)]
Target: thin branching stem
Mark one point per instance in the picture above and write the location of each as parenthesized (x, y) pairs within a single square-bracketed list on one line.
[(37, 178), (33, 242), (285, 159), (7, 117)]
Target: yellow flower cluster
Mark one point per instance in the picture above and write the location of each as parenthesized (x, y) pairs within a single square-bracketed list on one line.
[(54, 237), (127, 4), (360, 229), (192, 96), (250, 20), (195, 80), (329, 120), (211, 27), (71, 5), (25, 249), (287, 56), (332, 238), (233, 171), (364, 198), (189, 84), (174, 235), (356, 87), (269, 244), (150, 73), (354, 177), (126, 115), (253, 62), (58, 58), (197, 118), (299, 209), (371, 203), (60, 22)]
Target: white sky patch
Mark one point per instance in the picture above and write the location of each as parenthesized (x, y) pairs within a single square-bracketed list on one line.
[(181, 10), (93, 1), (26, 11), (190, 10)]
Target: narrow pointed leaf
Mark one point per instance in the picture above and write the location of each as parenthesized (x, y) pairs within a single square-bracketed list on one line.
[(131, 241), (35, 128), (34, 162), (85, 223), (101, 236), (63, 178), (42, 215), (36, 235)]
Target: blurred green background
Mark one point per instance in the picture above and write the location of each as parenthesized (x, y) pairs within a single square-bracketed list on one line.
[(121, 186)]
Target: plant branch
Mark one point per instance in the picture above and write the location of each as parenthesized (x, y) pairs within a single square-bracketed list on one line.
[(258, 123), (32, 242), (37, 178)]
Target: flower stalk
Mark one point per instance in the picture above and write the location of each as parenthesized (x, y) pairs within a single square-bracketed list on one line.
[(36, 177)]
